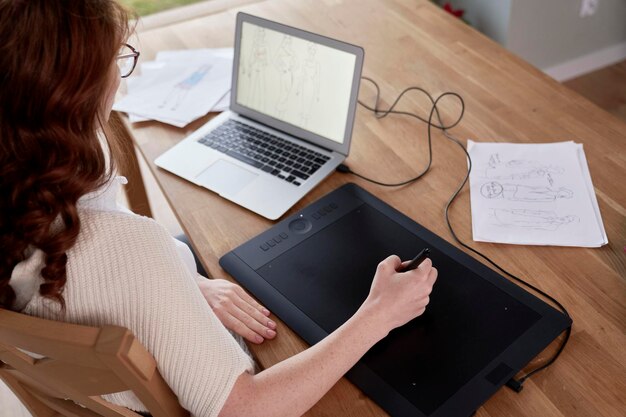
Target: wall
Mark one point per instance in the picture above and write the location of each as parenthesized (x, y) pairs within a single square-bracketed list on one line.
[(550, 34), (491, 17)]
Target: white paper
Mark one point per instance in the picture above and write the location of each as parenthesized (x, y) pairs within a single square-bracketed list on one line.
[(592, 194), (179, 87), (533, 194), (195, 54), (220, 106), (223, 104)]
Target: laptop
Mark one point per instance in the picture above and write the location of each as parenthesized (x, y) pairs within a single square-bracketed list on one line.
[(289, 125)]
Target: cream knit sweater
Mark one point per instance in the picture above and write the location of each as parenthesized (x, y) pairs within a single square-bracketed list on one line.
[(126, 270)]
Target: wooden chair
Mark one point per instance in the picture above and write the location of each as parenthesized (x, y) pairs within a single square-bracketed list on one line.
[(78, 365)]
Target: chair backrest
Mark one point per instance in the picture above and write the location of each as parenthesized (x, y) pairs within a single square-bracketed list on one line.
[(78, 364)]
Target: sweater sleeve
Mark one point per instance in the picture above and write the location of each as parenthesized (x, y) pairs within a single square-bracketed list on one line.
[(150, 290), (185, 253)]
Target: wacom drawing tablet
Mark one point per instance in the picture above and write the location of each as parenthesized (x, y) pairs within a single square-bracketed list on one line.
[(314, 269)]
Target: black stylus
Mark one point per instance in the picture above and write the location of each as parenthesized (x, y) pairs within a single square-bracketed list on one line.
[(415, 262)]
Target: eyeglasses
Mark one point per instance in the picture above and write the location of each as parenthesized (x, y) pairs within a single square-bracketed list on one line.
[(127, 60)]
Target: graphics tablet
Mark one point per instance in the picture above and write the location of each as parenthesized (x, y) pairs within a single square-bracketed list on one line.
[(315, 268)]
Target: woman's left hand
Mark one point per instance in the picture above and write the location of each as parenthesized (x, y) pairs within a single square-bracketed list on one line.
[(238, 311)]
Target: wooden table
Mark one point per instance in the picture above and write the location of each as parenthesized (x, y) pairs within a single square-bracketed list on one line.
[(412, 42)]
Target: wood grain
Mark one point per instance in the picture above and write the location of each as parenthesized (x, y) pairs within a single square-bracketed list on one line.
[(411, 42), (76, 366)]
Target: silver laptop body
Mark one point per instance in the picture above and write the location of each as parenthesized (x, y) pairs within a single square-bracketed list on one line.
[(291, 89)]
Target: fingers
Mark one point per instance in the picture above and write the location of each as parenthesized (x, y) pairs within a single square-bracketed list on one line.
[(391, 263), (250, 328), (244, 324), (251, 318), (240, 313), (432, 276), (425, 277), (423, 271), (251, 302), (429, 281), (248, 308), (422, 303), (231, 323), (425, 265)]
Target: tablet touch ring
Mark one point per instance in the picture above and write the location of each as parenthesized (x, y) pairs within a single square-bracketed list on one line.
[(300, 226)]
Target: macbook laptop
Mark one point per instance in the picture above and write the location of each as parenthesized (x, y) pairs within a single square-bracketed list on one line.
[(292, 109)]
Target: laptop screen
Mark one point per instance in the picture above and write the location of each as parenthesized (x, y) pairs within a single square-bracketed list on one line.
[(297, 78)]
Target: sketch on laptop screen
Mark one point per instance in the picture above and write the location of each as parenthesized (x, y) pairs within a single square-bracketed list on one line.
[(294, 80)]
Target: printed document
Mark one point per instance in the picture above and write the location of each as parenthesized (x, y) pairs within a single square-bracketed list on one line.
[(179, 86), (533, 194)]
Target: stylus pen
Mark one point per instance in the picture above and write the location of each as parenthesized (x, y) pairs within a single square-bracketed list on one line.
[(415, 262)]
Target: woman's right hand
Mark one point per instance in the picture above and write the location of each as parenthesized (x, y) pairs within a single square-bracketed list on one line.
[(395, 297)]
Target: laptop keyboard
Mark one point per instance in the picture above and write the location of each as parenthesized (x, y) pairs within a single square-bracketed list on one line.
[(276, 156)]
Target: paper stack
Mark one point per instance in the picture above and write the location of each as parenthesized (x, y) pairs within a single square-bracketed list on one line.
[(179, 86), (533, 194)]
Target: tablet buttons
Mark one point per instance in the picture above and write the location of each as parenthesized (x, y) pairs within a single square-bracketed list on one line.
[(274, 241), (324, 211), (300, 226)]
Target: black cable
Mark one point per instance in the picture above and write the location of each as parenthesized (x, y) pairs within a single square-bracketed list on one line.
[(514, 384), (382, 114)]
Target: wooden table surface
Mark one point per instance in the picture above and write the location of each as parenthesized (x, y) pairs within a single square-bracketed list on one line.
[(411, 42)]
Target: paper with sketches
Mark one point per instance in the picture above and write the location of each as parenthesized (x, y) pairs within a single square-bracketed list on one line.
[(533, 194), (179, 86)]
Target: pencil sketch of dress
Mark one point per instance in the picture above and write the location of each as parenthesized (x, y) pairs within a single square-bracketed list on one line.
[(518, 192), (255, 68), (308, 88), (286, 63), (519, 169), (530, 219), (179, 92)]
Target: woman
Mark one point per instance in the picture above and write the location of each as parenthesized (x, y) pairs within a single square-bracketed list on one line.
[(69, 253)]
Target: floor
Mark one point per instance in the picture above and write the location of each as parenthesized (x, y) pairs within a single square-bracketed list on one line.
[(605, 87)]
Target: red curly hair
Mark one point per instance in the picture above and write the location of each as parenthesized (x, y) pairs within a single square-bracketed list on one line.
[(55, 64)]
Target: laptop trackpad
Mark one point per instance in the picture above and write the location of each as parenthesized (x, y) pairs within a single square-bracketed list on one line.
[(225, 178)]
